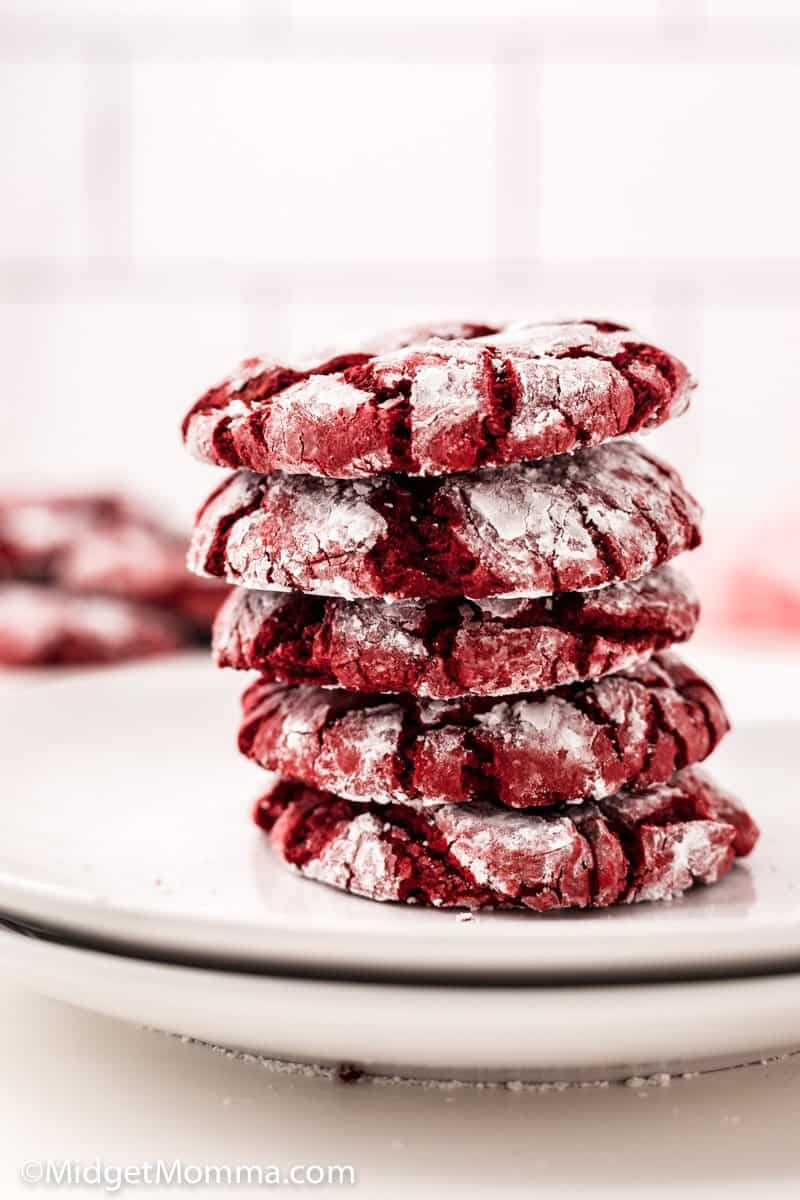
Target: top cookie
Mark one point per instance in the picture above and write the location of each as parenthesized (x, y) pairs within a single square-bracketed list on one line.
[(433, 401)]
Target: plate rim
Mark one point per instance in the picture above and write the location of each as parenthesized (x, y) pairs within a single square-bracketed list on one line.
[(175, 941), (304, 946), (608, 1030)]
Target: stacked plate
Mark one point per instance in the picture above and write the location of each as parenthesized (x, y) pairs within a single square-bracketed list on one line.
[(130, 887)]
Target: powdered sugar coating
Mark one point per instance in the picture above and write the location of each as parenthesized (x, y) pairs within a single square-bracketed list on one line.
[(566, 524), (450, 648), (44, 626), (587, 740), (438, 400), (481, 856)]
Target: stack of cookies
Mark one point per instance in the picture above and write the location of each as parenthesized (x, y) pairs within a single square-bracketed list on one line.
[(452, 581)]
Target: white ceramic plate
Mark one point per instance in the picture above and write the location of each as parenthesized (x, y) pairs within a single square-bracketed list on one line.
[(125, 822), (451, 1031)]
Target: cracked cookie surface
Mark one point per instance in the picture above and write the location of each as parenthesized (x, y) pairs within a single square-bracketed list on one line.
[(457, 647), (586, 740), (429, 402), (649, 846), (566, 524)]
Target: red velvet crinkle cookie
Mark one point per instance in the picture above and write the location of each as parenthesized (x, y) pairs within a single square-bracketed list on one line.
[(470, 397), (585, 741), (649, 846), (143, 564), (47, 627), (566, 524), (445, 648), (37, 532), (102, 545)]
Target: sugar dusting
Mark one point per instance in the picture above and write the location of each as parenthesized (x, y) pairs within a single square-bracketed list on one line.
[(363, 1077), (570, 390), (536, 528)]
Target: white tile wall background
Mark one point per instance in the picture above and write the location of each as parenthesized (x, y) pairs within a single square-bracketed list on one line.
[(187, 181)]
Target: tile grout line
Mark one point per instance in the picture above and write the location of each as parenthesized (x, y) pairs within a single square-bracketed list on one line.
[(557, 40), (518, 163), (108, 167), (762, 282)]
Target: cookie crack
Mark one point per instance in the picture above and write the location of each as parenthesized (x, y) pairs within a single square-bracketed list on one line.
[(678, 502), (438, 849), (648, 403), (404, 756), (694, 692), (614, 564), (394, 400), (215, 558), (504, 393), (662, 542), (587, 704)]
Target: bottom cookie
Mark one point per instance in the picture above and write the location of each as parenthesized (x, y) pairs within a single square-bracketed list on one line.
[(45, 627), (649, 845)]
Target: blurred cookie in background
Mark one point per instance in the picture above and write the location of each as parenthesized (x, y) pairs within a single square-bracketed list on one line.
[(95, 577), (48, 627)]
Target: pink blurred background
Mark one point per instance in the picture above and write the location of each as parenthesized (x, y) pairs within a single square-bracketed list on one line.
[(187, 182)]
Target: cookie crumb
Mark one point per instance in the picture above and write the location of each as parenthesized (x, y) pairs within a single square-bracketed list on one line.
[(660, 1079), (348, 1073)]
